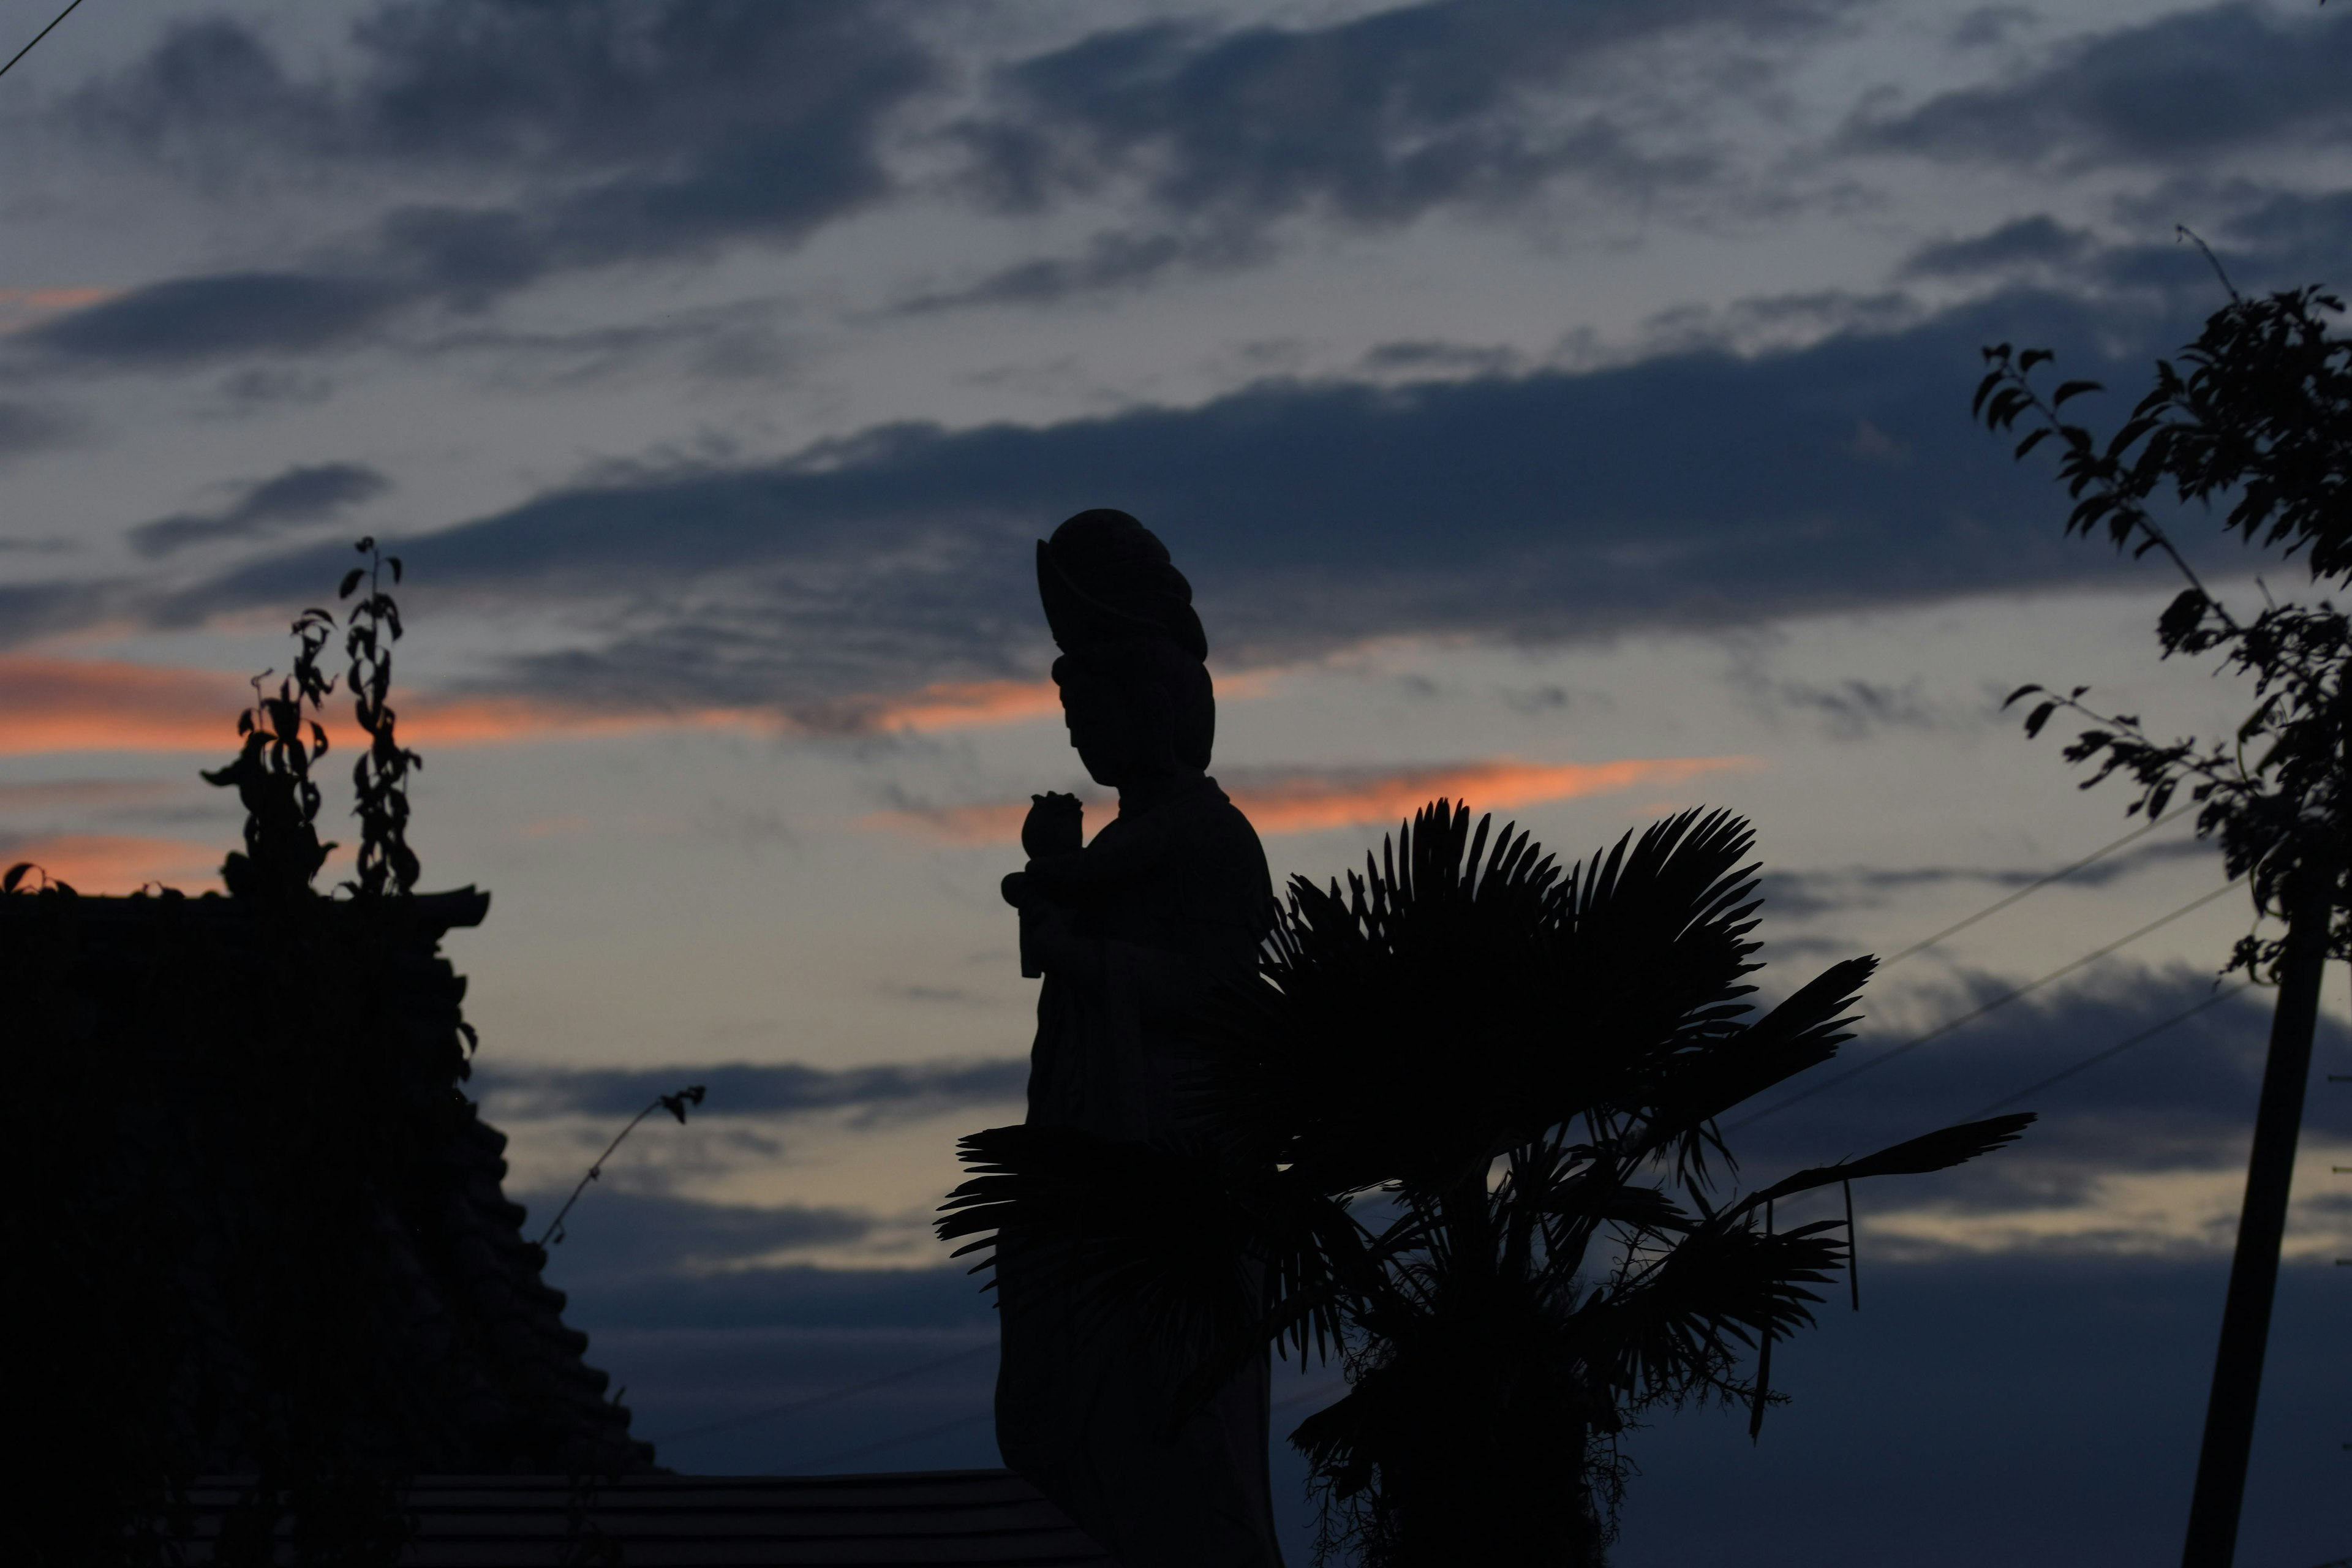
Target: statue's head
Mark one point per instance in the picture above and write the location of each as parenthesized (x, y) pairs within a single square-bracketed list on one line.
[(1135, 691)]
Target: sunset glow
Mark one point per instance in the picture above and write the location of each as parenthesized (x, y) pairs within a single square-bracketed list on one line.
[(1309, 803), (49, 705), (1312, 802), (21, 307), (119, 863), (971, 704)]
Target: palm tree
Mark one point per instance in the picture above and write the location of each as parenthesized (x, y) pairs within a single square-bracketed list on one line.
[(1463, 1135)]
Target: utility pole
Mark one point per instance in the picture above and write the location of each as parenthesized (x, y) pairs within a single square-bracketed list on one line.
[(2220, 1492)]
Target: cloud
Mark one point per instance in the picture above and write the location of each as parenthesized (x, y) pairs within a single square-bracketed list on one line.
[(116, 863), (2183, 87), (188, 320), (85, 793), (1308, 802), (26, 428), (907, 1089), (616, 1233), (308, 492), (1852, 709), (1373, 120), (51, 705), (622, 132), (1699, 487), (30, 610), (2036, 242), (2263, 236), (92, 705), (2144, 1153), (1311, 802), (1110, 261), (1867, 886), (965, 704)]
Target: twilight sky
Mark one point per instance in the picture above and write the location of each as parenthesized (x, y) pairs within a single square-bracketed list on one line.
[(1558, 405)]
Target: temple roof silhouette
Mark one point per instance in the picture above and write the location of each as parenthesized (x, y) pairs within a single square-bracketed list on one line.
[(158, 1012), (189, 1029)]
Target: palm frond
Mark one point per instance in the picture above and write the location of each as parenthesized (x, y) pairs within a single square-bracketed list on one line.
[(1601, 1199), (1383, 1038), (1129, 1228), (1673, 908), (1690, 1089), (1650, 952), (1675, 1329), (1459, 996), (1936, 1150), (1171, 1236)]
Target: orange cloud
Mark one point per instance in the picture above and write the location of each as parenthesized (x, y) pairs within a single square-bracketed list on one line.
[(94, 705), (49, 705), (972, 704), (1310, 802), (499, 721), (21, 307), (101, 705), (117, 863), (963, 705)]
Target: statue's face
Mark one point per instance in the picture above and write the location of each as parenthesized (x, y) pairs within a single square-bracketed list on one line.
[(1104, 730)]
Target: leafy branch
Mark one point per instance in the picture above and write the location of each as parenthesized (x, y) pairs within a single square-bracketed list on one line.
[(380, 775), (2257, 414), (272, 774), (15, 878)]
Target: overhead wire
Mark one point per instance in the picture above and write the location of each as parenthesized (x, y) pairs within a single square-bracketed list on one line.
[(44, 33), (938, 1431), (1917, 947), (1940, 1030), (962, 1421), (1304, 1394), (2215, 1000), (2063, 873), (813, 1401)]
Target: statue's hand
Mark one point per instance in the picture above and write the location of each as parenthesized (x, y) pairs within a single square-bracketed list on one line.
[(1056, 825)]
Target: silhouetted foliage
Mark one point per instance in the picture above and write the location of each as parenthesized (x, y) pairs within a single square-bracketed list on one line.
[(2258, 414), (283, 742), (272, 774), (1462, 1133), (248, 1223), (379, 776)]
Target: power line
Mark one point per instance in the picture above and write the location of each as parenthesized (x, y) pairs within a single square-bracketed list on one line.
[(940, 1430), (962, 1421), (2153, 1030), (1917, 947), (1940, 1030), (1304, 1394), (825, 1398), (2063, 872), (44, 33)]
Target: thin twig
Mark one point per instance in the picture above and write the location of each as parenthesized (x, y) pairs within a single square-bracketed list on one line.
[(674, 1104)]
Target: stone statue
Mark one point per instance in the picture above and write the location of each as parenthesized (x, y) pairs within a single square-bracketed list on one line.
[(1127, 930)]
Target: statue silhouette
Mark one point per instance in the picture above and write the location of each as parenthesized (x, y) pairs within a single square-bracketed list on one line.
[(1127, 931)]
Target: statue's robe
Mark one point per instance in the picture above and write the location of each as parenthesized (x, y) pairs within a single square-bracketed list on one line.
[(1170, 896)]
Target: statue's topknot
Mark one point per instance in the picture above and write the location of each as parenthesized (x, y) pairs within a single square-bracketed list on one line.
[(1107, 578)]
